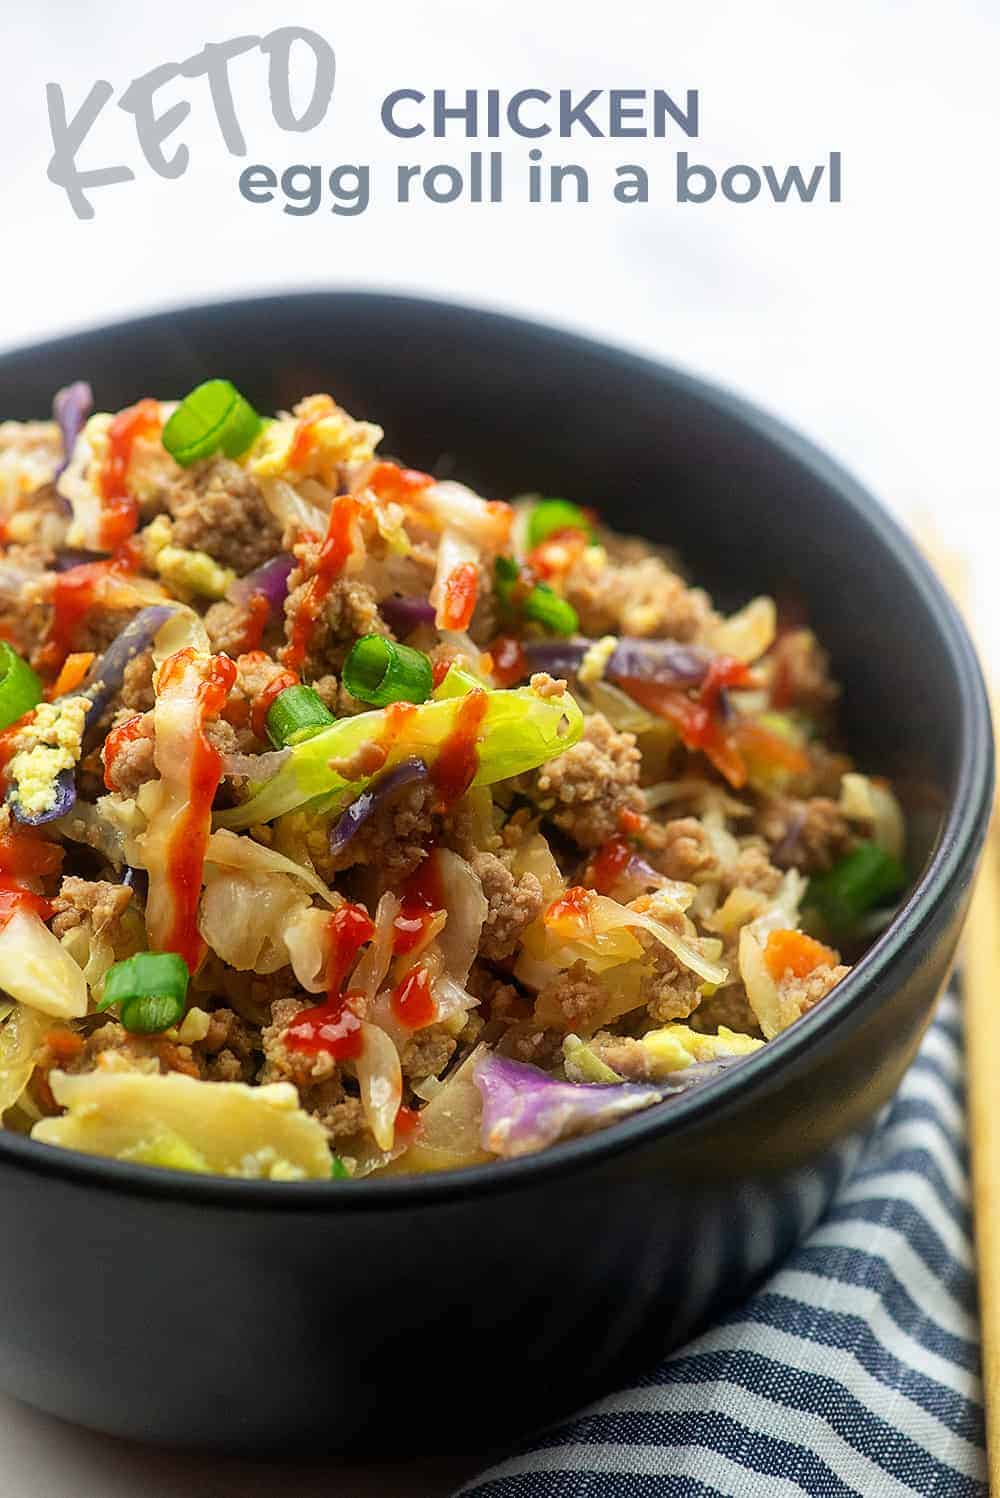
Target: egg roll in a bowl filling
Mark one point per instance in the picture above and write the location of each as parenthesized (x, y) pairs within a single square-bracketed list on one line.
[(356, 822)]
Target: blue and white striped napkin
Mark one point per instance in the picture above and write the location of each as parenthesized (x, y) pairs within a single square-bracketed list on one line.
[(854, 1370)]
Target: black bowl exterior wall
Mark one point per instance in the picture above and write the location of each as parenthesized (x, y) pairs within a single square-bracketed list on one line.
[(375, 1315), (435, 1325)]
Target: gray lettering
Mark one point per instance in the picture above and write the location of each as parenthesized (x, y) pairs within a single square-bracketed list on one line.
[(534, 176), (257, 184), (68, 137), (151, 128), (685, 194), (616, 100), (213, 60), (735, 194), (793, 178), (559, 174), (632, 185), (308, 197), (452, 178), (388, 112), (664, 107), (571, 114), (834, 176), (350, 200), (404, 177), (514, 112), (469, 112), (277, 46)]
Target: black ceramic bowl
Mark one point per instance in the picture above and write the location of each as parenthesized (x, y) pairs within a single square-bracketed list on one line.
[(407, 1313)]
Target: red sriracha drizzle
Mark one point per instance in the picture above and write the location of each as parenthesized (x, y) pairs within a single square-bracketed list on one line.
[(698, 719), (402, 485), (8, 748), (460, 592), (397, 719), (13, 897), (458, 758), (412, 1001), (333, 1028), (398, 716), (120, 513), (510, 664), (305, 435), (75, 593), (333, 555), (258, 718), (126, 733), (258, 613), (570, 914), (189, 837), (422, 898), (407, 1124), (609, 864), (631, 821), (560, 551), (23, 855), (27, 855)]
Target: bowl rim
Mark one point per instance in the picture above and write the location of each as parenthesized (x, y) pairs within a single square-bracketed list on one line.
[(950, 864)]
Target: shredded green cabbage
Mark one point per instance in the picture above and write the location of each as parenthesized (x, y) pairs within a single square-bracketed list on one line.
[(520, 730)]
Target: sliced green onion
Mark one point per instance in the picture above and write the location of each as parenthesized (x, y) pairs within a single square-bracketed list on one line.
[(537, 602), (151, 1014), (379, 671), (864, 878), (151, 990), (550, 515), (456, 682), (214, 417), (338, 1170), (296, 714), (586, 1062), (507, 575), (553, 613), (20, 688)]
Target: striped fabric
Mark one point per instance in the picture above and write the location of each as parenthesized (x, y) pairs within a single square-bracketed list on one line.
[(853, 1370)]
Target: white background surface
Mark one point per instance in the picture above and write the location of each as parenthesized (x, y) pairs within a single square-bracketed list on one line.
[(872, 325)]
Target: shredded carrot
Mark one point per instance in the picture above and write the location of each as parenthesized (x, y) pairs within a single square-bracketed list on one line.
[(74, 669), (64, 1044), (766, 751), (794, 952)]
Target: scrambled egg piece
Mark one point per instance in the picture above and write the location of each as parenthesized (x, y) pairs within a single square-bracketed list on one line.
[(49, 743), (676, 1046), (183, 570), (595, 662), (671, 1048), (312, 442), (218, 1128)]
